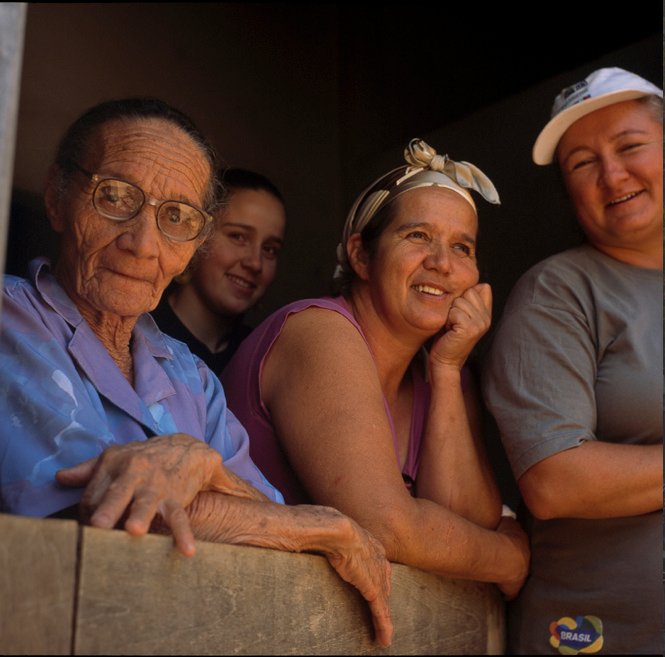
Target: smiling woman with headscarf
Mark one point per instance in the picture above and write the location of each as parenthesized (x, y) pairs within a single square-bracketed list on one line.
[(346, 408)]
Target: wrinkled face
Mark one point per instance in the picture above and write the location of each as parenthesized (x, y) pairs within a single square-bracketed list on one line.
[(612, 165), (123, 268), (425, 258), (240, 259)]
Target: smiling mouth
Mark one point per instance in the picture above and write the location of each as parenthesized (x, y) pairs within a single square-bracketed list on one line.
[(131, 276), (241, 282), (428, 289), (623, 199)]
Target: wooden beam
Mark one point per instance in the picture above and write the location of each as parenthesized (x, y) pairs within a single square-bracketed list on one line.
[(139, 596), (66, 589), (37, 584)]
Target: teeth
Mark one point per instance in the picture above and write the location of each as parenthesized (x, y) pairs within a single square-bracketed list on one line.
[(429, 290), (240, 281), (623, 198)]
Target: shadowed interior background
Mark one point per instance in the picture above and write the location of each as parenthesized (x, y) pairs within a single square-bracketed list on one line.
[(322, 98)]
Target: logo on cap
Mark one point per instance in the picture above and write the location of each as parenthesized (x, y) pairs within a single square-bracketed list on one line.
[(572, 95), (582, 634)]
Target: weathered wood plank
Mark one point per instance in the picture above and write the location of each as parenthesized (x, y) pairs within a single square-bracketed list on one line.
[(139, 596), (37, 584)]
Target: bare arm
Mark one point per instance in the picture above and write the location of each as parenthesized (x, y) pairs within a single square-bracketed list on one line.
[(454, 469), (602, 480), (321, 387), (357, 556)]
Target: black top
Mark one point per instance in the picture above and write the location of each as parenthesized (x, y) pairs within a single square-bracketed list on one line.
[(170, 324)]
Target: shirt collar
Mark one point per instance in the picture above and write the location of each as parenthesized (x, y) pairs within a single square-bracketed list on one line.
[(56, 297)]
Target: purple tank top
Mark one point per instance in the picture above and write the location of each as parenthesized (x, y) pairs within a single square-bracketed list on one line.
[(241, 384)]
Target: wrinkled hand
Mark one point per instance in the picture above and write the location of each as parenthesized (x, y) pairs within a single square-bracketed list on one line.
[(363, 564), (513, 531), (354, 553), (140, 480), (469, 319)]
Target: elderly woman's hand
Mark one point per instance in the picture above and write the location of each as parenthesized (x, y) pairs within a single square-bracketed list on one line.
[(469, 319), (352, 551), (362, 562), (161, 476)]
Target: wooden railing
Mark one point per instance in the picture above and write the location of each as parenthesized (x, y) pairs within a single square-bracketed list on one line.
[(67, 589)]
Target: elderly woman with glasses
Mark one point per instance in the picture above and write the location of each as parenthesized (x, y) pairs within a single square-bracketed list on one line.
[(104, 415), (362, 402)]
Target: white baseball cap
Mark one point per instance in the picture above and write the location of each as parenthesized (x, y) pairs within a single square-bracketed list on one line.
[(603, 87)]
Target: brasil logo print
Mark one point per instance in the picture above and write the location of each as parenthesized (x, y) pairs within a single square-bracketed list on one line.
[(582, 634)]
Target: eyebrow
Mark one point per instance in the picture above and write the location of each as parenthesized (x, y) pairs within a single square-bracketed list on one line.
[(465, 237), (180, 198), (624, 133), (251, 229)]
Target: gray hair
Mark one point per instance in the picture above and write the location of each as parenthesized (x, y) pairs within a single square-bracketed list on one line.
[(76, 140), (654, 104)]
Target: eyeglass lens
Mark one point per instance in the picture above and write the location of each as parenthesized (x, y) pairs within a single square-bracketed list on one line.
[(120, 200)]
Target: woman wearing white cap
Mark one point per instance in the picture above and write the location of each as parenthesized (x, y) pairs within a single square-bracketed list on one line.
[(574, 380), (343, 404)]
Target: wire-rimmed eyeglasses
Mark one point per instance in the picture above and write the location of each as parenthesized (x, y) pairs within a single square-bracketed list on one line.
[(120, 200)]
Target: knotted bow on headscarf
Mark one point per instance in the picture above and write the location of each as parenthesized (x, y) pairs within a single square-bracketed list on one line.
[(464, 175), (425, 168)]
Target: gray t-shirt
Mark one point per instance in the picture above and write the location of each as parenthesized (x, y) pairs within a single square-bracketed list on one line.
[(578, 355)]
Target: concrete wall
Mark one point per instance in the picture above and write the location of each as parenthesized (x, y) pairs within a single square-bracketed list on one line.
[(66, 589)]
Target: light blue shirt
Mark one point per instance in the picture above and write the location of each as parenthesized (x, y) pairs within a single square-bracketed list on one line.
[(64, 400)]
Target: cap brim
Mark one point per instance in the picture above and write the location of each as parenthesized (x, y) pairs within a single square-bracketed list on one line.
[(550, 135)]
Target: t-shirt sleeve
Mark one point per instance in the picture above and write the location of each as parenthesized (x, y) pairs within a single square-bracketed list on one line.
[(538, 377)]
